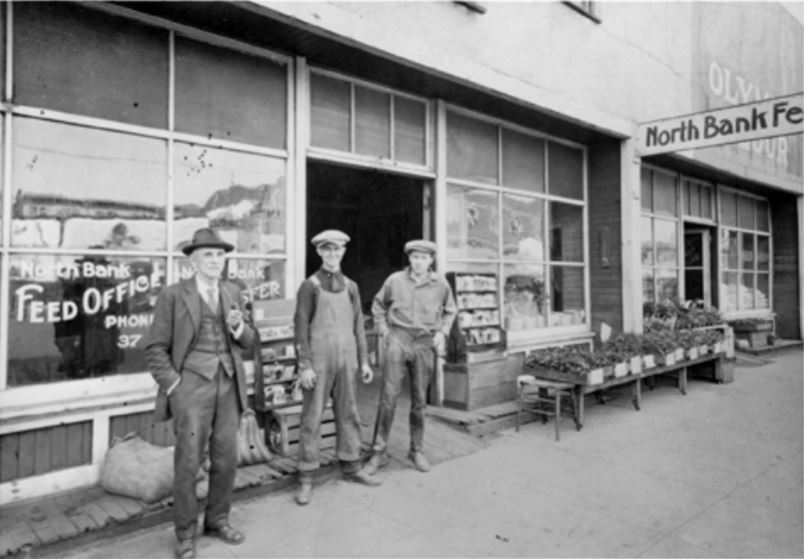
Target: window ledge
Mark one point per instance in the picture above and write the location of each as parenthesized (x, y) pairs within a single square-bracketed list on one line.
[(528, 340)]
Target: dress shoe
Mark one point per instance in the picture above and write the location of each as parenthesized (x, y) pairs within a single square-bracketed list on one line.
[(304, 493), (185, 549), (419, 461), (362, 477), (376, 462), (225, 532)]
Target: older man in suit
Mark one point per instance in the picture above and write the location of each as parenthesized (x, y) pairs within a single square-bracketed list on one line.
[(193, 350)]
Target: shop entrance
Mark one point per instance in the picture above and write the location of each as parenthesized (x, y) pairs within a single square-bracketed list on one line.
[(379, 211), (698, 264)]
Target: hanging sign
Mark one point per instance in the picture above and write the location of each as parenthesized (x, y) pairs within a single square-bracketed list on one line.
[(780, 116)]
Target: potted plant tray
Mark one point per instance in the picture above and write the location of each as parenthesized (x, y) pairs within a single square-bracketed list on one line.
[(667, 359), (648, 361), (620, 369), (692, 352), (635, 364), (679, 354)]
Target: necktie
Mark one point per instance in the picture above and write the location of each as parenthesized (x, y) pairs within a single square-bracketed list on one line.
[(212, 299)]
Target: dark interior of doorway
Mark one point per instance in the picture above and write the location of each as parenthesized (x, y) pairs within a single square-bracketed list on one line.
[(379, 211), (696, 270)]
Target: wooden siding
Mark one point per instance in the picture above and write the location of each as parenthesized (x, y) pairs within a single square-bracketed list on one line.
[(606, 280), (786, 302), (35, 452), (142, 423)]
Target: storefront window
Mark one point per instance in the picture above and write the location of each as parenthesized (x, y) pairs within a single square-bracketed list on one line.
[(77, 60), (523, 228), (260, 278), (472, 230), (241, 195), (523, 161), (372, 122), (525, 297), (660, 232), (745, 252), (566, 233), (565, 171), (79, 316), (330, 105), (228, 95), (79, 187), (567, 302), (472, 152), (410, 140)]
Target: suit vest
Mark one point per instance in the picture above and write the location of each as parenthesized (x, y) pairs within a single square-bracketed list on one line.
[(211, 348)]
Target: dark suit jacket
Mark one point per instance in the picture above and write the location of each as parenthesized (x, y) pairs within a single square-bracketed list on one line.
[(173, 334)]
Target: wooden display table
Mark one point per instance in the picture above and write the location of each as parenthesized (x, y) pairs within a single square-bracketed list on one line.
[(582, 387)]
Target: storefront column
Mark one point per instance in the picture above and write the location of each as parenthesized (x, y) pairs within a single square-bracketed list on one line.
[(800, 217), (297, 167), (630, 195)]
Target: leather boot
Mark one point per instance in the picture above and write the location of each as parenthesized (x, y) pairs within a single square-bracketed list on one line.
[(376, 462), (304, 492), (419, 461)]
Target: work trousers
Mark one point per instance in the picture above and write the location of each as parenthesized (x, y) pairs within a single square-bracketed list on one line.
[(204, 410), (410, 354)]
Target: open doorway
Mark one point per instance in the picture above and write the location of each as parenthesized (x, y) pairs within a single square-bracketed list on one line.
[(699, 264), (379, 211)]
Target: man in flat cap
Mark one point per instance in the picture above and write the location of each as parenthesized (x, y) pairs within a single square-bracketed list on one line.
[(413, 311), (193, 349), (331, 352)]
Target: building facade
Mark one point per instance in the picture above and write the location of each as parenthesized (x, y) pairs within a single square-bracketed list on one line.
[(503, 131)]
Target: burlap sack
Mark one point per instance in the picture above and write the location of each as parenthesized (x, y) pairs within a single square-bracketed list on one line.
[(138, 469)]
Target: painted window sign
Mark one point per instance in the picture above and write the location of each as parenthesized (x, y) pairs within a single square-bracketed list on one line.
[(79, 316)]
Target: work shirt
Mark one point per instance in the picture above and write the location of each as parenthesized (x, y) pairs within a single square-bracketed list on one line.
[(333, 282), (425, 307)]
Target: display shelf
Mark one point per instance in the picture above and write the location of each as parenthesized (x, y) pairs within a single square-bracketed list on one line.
[(477, 327), (275, 357)]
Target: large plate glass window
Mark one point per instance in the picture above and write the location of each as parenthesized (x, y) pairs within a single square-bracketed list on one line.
[(78, 60), (241, 195), (745, 252), (660, 236), (78, 187), (79, 316), (516, 200)]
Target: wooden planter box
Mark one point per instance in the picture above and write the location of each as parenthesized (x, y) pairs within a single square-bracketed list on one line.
[(620, 369), (635, 365), (692, 352), (648, 361), (468, 386)]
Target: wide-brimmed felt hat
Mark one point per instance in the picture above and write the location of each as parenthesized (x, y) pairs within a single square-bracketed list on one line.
[(204, 238), (420, 245), (330, 236)]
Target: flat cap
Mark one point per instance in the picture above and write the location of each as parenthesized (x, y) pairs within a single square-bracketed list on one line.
[(330, 236), (420, 245)]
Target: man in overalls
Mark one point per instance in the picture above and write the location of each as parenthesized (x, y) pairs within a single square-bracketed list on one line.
[(413, 311), (330, 348)]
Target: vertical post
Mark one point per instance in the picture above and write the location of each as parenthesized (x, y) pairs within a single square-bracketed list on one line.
[(440, 222), (630, 194)]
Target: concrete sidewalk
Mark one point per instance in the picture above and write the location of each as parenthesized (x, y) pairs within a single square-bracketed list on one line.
[(715, 473)]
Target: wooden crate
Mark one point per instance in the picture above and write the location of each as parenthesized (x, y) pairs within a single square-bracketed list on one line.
[(284, 424)]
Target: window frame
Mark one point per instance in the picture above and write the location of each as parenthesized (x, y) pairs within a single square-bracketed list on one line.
[(74, 394), (522, 338), (678, 219)]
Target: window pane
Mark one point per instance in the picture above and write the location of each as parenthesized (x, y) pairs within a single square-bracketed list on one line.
[(694, 201), (763, 252), (648, 295), (566, 232), (728, 208), (75, 317), (666, 239), (523, 228), (729, 250), (565, 165), (666, 284), (706, 202), (523, 161), (647, 241), (728, 290), (259, 277), (83, 187), (471, 149), (762, 299), (330, 102), (372, 122), (410, 125), (747, 258), (763, 221), (747, 290), (229, 95), (472, 223), (77, 60), (524, 297), (241, 195), (745, 217), (567, 296), (647, 190), (664, 194)]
